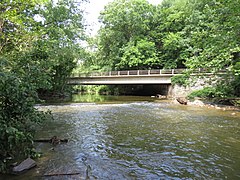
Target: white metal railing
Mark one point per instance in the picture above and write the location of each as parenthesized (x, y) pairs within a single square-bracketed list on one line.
[(130, 73), (151, 72)]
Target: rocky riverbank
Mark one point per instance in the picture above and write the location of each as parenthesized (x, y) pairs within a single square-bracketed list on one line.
[(202, 103)]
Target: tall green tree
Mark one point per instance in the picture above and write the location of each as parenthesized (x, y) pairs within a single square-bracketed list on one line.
[(57, 46), (140, 54), (39, 47), (125, 23), (212, 30), (136, 34), (17, 113), (214, 40)]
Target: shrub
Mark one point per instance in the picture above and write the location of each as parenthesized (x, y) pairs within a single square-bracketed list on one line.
[(207, 92), (182, 80), (18, 118)]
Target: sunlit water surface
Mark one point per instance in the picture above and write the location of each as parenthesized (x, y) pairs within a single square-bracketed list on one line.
[(139, 140)]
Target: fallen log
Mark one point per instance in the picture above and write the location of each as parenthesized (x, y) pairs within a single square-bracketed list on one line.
[(49, 141), (61, 174)]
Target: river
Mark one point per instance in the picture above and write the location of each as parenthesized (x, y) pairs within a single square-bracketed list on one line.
[(138, 138)]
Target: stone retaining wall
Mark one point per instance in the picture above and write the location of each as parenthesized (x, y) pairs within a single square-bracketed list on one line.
[(196, 83)]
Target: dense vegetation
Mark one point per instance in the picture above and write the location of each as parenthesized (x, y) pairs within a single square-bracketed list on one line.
[(38, 50), (175, 34)]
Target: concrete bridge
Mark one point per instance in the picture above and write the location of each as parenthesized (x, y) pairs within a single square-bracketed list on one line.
[(141, 82), (131, 77)]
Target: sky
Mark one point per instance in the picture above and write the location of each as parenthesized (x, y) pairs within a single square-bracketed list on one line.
[(93, 9)]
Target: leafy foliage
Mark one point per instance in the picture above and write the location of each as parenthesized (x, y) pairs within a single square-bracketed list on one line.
[(136, 34), (211, 92), (125, 31), (214, 38), (182, 80), (60, 34), (207, 92), (18, 117), (39, 47), (141, 55)]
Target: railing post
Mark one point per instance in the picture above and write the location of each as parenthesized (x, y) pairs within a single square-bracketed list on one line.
[(172, 71), (118, 73), (138, 72), (128, 73), (148, 72), (160, 71), (110, 73)]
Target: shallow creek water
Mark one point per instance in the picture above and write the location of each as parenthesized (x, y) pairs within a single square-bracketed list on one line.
[(138, 138)]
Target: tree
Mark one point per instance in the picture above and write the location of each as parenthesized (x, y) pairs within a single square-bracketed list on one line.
[(125, 23), (213, 39), (17, 96), (213, 35), (129, 26), (58, 44), (140, 55), (34, 56)]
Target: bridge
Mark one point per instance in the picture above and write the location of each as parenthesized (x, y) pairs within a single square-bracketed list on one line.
[(131, 77)]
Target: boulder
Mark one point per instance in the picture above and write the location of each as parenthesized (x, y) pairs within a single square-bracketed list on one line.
[(23, 166), (182, 100), (197, 103)]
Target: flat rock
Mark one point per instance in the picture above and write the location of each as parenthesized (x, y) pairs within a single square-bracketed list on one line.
[(25, 165), (197, 103)]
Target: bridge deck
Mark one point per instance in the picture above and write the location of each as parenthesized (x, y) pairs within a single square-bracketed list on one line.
[(156, 76)]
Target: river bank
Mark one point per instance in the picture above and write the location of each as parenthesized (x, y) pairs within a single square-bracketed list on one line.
[(210, 104)]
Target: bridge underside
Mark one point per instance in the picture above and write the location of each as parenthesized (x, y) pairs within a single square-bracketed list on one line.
[(120, 80), (146, 90)]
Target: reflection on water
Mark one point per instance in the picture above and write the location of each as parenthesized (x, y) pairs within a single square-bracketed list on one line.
[(140, 140), (96, 98)]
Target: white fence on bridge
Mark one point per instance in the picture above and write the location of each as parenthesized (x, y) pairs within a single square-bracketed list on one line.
[(131, 73), (150, 72)]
